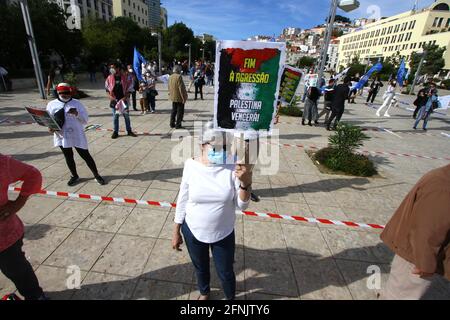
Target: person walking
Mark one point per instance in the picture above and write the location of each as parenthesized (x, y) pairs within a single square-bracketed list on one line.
[(192, 70), (310, 112), (151, 92), (13, 262), (199, 82), (211, 191), (134, 84), (419, 235), (338, 103), (119, 87), (421, 100), (209, 73), (427, 109), (373, 90), (178, 96), (328, 98), (72, 133), (387, 97)]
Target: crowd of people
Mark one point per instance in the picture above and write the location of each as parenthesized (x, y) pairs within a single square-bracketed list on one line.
[(335, 95)]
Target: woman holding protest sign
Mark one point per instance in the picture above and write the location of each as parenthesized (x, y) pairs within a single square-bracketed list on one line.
[(211, 190)]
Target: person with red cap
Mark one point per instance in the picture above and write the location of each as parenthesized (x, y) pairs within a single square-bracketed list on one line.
[(72, 117)]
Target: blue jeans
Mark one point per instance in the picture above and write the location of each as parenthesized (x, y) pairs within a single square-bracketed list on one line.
[(223, 255), (126, 116), (422, 111)]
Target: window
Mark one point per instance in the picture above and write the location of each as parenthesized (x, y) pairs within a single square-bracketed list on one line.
[(370, 43), (440, 22), (420, 45), (125, 12), (436, 20), (448, 23), (130, 15), (387, 40), (412, 25), (397, 27), (411, 46), (365, 43), (383, 32), (375, 42), (390, 29), (372, 33), (400, 38), (129, 3), (434, 42), (394, 38), (378, 31), (139, 19), (134, 5)]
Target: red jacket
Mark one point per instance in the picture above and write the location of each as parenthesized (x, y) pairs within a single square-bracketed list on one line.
[(12, 170)]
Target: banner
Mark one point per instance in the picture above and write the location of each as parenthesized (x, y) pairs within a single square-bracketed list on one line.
[(445, 102), (290, 79), (43, 118), (376, 68), (164, 78), (401, 74), (247, 74), (311, 79), (138, 60)]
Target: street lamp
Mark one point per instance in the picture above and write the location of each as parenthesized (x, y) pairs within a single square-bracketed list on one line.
[(203, 51), (158, 34), (189, 45), (347, 6)]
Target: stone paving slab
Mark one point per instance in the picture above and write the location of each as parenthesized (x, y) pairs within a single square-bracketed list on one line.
[(124, 250)]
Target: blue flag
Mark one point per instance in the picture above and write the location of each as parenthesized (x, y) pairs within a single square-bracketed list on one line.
[(137, 62), (376, 68), (401, 74)]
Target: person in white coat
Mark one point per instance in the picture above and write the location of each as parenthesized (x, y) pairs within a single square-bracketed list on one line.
[(211, 190), (389, 100), (72, 122)]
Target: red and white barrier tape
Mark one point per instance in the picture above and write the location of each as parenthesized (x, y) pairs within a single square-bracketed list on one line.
[(173, 205), (16, 122), (368, 151)]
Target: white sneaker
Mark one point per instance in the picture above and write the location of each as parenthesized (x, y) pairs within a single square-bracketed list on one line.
[(387, 115), (142, 112), (377, 114)]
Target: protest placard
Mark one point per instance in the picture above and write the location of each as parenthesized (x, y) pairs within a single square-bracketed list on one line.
[(43, 118), (311, 79), (247, 74), (290, 79)]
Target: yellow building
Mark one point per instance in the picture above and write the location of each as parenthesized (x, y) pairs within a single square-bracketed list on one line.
[(404, 33), (134, 9)]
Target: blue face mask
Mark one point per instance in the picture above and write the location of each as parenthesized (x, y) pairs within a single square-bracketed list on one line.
[(217, 157)]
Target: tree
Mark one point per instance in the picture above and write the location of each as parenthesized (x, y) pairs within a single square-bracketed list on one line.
[(434, 61), (356, 67), (342, 19), (50, 31), (116, 39), (306, 61), (175, 37)]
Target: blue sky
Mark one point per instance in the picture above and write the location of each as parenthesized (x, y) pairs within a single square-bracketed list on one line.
[(240, 19)]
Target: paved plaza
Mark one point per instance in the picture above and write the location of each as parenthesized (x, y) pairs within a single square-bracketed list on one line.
[(124, 249)]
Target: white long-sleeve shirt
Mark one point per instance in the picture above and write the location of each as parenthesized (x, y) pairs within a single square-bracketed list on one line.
[(208, 199), (72, 133)]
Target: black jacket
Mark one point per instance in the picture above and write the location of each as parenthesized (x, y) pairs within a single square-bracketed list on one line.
[(340, 95)]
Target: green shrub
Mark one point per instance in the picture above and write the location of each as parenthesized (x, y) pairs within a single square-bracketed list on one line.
[(346, 139), (341, 156), (354, 164), (71, 78)]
